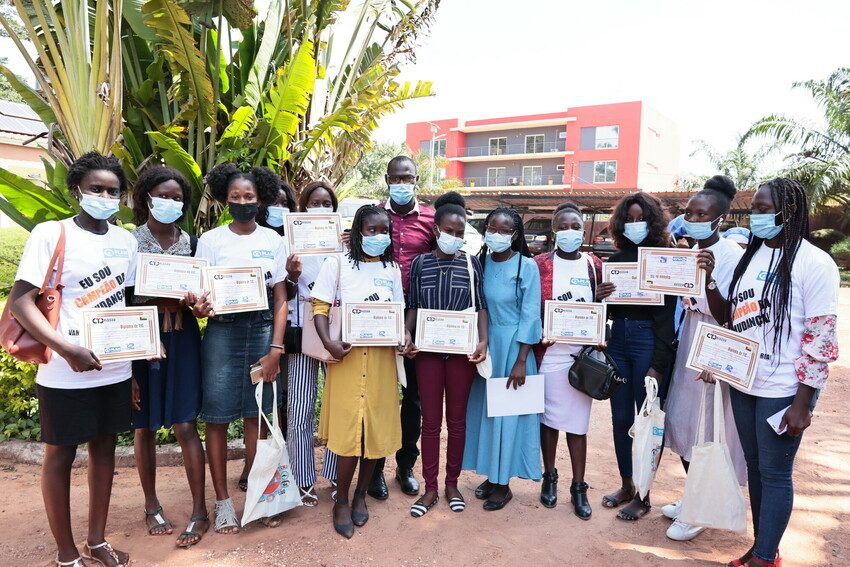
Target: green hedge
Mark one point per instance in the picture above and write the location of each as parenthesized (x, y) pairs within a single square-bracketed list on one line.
[(18, 402), (841, 253)]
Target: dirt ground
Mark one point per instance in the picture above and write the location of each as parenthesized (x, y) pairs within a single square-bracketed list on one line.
[(524, 533)]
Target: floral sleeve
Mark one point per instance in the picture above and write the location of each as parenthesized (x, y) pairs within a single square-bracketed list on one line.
[(820, 347)]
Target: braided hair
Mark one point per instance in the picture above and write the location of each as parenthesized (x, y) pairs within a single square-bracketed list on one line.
[(791, 203), (355, 251), (517, 245)]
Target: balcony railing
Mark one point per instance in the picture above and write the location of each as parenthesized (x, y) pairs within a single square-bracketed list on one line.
[(512, 149), (515, 181)]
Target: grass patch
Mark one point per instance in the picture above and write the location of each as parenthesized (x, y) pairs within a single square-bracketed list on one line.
[(12, 242)]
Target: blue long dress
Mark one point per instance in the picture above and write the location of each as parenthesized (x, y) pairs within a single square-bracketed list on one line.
[(505, 447)]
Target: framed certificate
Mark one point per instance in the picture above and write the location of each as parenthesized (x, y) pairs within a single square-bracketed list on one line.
[(625, 276), (373, 323), (308, 233), (236, 290), (122, 334), (446, 332), (728, 355), (165, 275), (574, 322), (672, 271)]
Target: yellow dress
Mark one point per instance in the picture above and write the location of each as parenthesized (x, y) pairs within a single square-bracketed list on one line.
[(360, 403)]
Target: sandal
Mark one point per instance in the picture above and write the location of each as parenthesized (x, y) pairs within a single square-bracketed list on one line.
[(614, 501), (308, 497), (333, 490), (419, 509), (225, 517), (273, 521), (161, 522), (78, 562), (629, 516), (191, 532), (743, 560), (243, 484), (121, 560)]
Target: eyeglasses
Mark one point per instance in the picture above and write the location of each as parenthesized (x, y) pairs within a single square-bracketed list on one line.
[(494, 230)]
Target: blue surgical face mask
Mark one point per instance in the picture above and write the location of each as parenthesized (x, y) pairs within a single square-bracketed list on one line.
[(320, 210), (166, 211), (498, 242), (569, 240), (763, 225), (99, 208), (401, 193), (275, 216), (376, 244), (699, 230), (449, 244), (636, 231)]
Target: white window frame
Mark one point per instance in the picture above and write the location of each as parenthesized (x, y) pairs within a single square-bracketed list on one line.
[(606, 140), (490, 146), (496, 178), (604, 180), (532, 168), (542, 143), (560, 167), (438, 144)]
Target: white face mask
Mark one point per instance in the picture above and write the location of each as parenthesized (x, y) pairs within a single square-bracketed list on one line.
[(320, 210)]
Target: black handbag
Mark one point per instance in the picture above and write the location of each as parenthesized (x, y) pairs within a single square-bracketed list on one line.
[(292, 334), (599, 379)]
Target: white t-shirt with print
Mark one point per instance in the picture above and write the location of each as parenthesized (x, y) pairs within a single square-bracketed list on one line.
[(310, 266), (96, 270), (814, 292), (726, 257), (369, 281), (263, 247), (570, 282)]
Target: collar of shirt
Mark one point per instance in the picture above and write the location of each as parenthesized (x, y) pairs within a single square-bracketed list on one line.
[(389, 206)]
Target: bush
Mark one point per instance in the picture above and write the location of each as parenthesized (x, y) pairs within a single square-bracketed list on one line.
[(18, 401), (12, 242), (826, 238), (841, 253)]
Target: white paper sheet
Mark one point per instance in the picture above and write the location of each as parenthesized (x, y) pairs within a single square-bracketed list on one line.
[(776, 419), (525, 400)]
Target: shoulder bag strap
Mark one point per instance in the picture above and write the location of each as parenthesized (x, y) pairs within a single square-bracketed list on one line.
[(471, 271), (591, 269), (57, 261)]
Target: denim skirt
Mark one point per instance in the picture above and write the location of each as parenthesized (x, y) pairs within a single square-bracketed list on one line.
[(231, 344)]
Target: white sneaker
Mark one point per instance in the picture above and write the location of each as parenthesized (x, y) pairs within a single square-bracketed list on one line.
[(673, 510), (680, 531)]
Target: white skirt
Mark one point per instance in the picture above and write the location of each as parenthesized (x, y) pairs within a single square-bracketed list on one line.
[(565, 408)]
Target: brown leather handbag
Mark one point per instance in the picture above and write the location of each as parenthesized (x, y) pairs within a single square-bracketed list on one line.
[(16, 340)]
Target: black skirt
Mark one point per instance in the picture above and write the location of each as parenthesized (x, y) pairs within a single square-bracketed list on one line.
[(75, 416)]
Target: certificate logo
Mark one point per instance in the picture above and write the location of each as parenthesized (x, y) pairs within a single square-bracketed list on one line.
[(262, 254), (115, 253), (715, 365), (111, 350), (679, 259), (729, 368)]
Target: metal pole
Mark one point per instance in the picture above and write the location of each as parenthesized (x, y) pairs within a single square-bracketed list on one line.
[(433, 140)]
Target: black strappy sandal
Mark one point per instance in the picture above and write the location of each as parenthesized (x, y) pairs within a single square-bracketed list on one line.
[(161, 522), (628, 516), (192, 531)]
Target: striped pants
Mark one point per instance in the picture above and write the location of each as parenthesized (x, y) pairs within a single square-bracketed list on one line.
[(301, 410)]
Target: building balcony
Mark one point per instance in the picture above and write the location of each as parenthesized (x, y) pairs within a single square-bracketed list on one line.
[(553, 181), (546, 150)]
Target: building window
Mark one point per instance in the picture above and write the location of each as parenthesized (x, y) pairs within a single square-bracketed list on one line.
[(532, 175), (607, 137), (496, 176), (559, 167), (605, 171), (534, 143), (498, 146), (440, 148)]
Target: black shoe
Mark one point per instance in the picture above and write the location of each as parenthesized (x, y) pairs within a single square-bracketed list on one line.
[(484, 490), (345, 530), (493, 505), (549, 489), (359, 518), (408, 482), (581, 506), (378, 487)]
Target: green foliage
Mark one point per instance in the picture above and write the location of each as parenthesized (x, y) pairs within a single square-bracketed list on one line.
[(368, 176), (12, 242), (18, 402), (826, 238), (742, 163), (841, 253)]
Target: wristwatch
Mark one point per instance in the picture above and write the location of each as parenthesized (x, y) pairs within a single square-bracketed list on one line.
[(711, 286)]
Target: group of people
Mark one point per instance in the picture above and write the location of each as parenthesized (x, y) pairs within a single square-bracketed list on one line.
[(776, 288)]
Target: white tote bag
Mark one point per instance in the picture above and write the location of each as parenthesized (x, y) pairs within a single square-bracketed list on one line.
[(648, 435), (713, 498), (271, 486)]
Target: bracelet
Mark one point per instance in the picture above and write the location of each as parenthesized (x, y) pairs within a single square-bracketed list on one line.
[(281, 348)]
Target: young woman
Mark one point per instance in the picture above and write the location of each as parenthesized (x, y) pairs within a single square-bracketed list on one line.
[(303, 374), (167, 393), (359, 419), (704, 214), (505, 447), (784, 294), (80, 400), (641, 343), (440, 280), (566, 275), (272, 216), (233, 342)]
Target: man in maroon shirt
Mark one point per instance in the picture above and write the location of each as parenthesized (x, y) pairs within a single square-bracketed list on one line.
[(412, 235)]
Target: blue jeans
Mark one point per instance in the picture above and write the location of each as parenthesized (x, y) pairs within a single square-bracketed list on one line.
[(631, 346), (770, 462)]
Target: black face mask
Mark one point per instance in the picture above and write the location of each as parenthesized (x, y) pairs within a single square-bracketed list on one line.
[(243, 212)]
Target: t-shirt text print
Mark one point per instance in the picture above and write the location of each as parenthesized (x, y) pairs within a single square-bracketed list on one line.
[(263, 247)]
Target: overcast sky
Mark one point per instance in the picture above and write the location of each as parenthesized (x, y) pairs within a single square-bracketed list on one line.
[(714, 67)]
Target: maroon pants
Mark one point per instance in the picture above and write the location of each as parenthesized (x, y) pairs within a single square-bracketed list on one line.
[(438, 374)]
